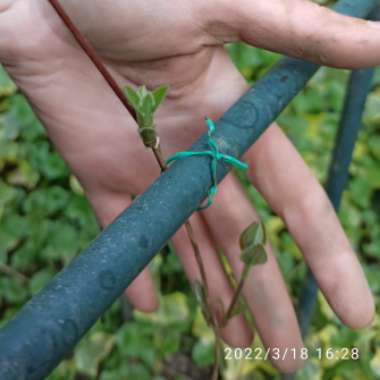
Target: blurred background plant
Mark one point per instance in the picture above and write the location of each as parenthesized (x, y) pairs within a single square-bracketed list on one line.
[(45, 221)]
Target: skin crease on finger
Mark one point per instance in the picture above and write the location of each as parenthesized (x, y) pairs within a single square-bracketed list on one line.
[(143, 42)]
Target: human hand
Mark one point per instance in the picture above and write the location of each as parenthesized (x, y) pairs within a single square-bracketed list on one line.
[(181, 44)]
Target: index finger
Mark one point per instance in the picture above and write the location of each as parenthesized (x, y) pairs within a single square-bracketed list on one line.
[(301, 29)]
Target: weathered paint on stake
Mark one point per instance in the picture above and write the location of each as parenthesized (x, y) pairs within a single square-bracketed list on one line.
[(48, 327)]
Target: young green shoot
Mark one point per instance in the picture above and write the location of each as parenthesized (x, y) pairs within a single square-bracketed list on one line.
[(145, 103), (252, 245)]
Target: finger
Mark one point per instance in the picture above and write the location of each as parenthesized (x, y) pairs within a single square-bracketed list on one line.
[(264, 291), (280, 174), (141, 293), (300, 29), (236, 332)]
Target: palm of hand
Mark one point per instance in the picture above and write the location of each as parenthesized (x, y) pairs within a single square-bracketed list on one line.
[(185, 59), (167, 43)]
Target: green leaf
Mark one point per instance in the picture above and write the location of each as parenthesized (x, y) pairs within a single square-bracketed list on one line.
[(40, 279), (63, 242), (145, 103), (134, 340), (92, 351), (46, 201), (200, 328), (142, 92), (24, 175), (375, 363), (199, 292), (203, 354), (13, 290), (374, 145), (254, 255), (132, 97), (5, 80), (147, 107), (159, 95), (253, 235)]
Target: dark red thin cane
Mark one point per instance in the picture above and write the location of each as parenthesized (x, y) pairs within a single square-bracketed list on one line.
[(91, 53)]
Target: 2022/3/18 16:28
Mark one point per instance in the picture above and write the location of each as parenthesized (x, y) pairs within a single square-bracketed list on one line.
[(304, 353)]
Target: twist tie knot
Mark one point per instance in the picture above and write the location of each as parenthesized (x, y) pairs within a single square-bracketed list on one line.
[(216, 156)]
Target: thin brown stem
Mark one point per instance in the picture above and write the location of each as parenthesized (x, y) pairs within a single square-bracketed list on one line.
[(91, 53), (197, 254), (159, 158), (93, 56), (217, 354), (189, 229), (236, 296)]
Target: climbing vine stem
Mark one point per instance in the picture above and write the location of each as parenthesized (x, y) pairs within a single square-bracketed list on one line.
[(141, 105), (156, 149), (91, 53)]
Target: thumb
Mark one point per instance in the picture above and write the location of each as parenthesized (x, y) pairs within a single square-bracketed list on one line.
[(303, 29)]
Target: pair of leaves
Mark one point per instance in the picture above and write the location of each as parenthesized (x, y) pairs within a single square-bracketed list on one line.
[(252, 244), (145, 102)]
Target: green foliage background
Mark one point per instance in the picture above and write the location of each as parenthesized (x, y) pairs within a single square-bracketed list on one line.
[(45, 221)]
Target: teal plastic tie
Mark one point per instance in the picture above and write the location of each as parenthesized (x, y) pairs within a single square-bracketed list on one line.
[(215, 156)]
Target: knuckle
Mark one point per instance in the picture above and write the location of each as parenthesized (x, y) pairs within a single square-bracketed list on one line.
[(217, 19)]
